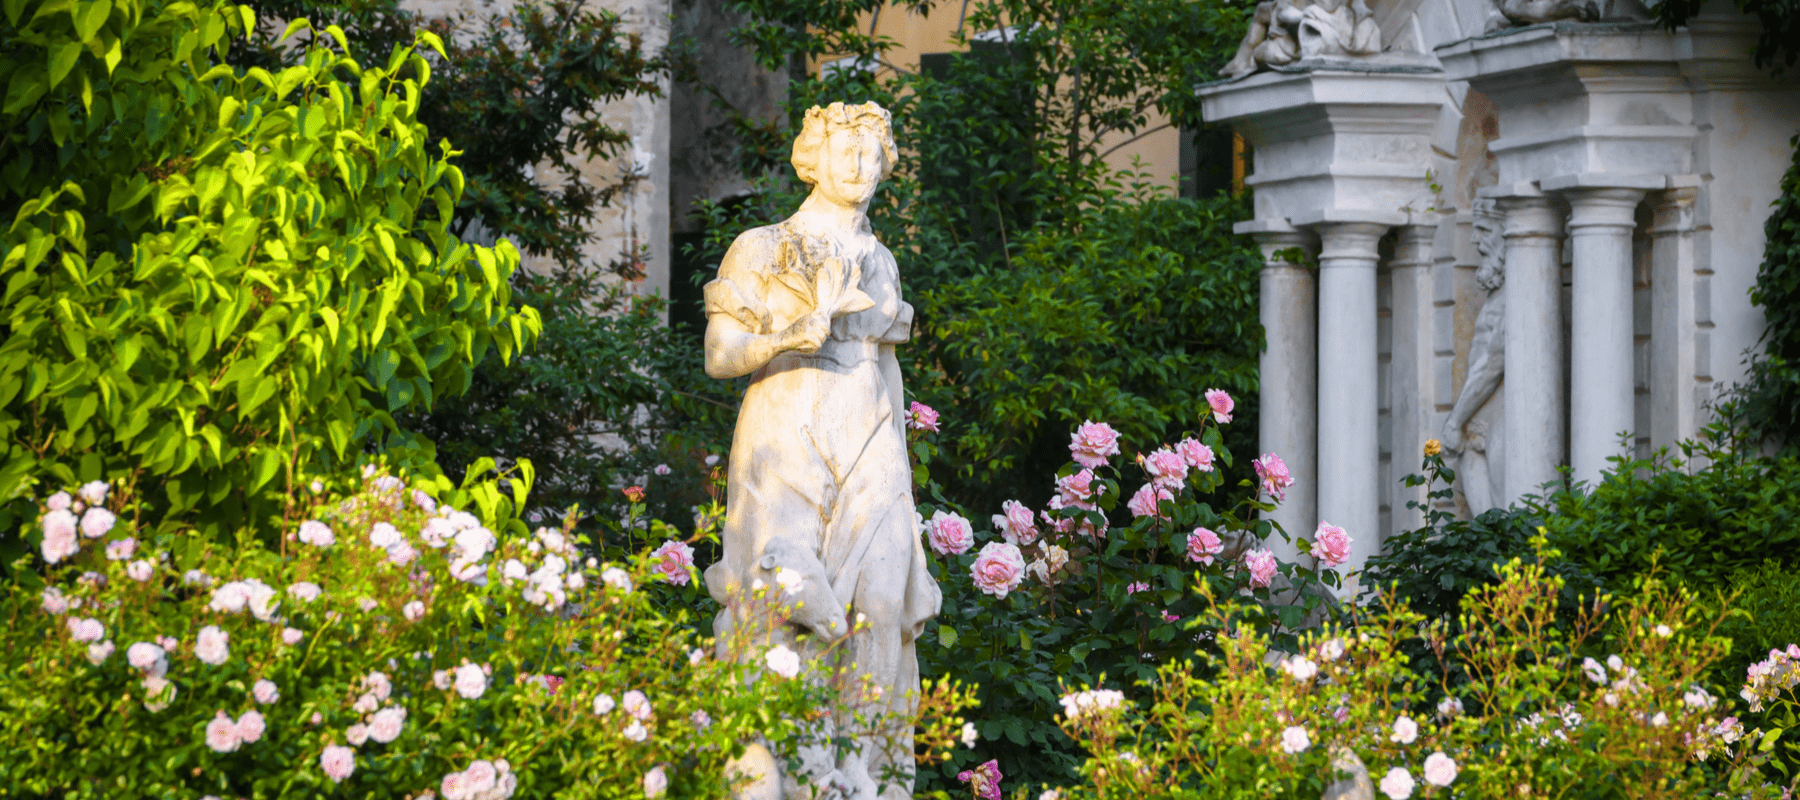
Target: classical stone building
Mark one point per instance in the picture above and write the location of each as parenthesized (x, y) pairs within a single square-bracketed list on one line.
[(1615, 175)]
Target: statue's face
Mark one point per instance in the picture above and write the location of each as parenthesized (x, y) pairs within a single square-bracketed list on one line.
[(850, 166)]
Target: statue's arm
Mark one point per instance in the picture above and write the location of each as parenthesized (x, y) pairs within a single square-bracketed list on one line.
[(890, 375), (732, 347)]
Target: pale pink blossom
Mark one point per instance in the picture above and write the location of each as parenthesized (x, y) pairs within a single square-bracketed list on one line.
[(983, 780), (265, 691), (60, 539), (674, 560), (159, 692), (661, 469), (604, 704), (1078, 489), (212, 645), (230, 598), (1166, 469), (1016, 523), (141, 570), (1091, 703), (97, 522), (413, 611), (1440, 769), (1397, 783), (470, 681), (356, 734), (424, 501), (1299, 668), (222, 734), (656, 782), (147, 657), (1261, 563), (1147, 502), (1406, 731), (94, 492), (291, 636), (949, 533), (636, 731), (1169, 616), (317, 534), (261, 599), (54, 601), (58, 501), (383, 535), (402, 554), (998, 569), (637, 704), (782, 661), (1196, 454), (117, 550), (86, 629), (1136, 586), (378, 684), (1203, 545), (250, 726), (387, 723), (1331, 545), (338, 762), (1221, 405), (98, 653), (1273, 475), (921, 417), (1294, 740), (1093, 442)]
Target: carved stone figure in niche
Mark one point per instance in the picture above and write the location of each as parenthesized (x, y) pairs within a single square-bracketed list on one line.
[(1475, 429), (1285, 31), (819, 481)]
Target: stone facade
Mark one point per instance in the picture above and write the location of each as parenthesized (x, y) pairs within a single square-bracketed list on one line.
[(1629, 170)]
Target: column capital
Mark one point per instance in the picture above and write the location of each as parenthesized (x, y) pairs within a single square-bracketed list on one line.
[(1674, 210), (1530, 213), (1602, 207)]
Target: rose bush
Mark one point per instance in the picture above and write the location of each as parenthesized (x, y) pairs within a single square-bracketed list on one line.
[(387, 645), (1613, 710)]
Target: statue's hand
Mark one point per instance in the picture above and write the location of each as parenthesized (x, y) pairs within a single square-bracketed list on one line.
[(1453, 439), (807, 334)]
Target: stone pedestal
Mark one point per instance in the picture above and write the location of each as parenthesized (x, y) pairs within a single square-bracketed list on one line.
[(1533, 392)]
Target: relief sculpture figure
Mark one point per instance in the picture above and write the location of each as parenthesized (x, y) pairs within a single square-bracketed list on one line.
[(818, 480), (1285, 31), (1475, 430)]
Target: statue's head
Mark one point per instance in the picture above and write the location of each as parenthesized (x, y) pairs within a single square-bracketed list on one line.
[(844, 151), (1491, 274)]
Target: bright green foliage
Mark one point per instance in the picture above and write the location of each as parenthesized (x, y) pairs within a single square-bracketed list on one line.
[(217, 279), (82, 723)]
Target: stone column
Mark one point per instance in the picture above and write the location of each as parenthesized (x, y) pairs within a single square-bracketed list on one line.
[(1534, 392), (1675, 318), (1288, 414), (1600, 363), (1349, 445), (1410, 400)]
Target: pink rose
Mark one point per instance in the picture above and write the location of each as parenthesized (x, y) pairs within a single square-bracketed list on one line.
[(58, 501), (1274, 476), (96, 522), (222, 734), (387, 723), (635, 494), (316, 533), (1221, 405), (998, 568), (1440, 769), (1203, 544), (338, 762), (983, 780), (250, 726), (1166, 469), (1197, 455), (1017, 525), (60, 538), (1262, 566), (54, 601), (675, 560), (1331, 545), (86, 630), (1093, 442), (265, 691), (1078, 489), (949, 533), (1148, 501), (1397, 784), (921, 417), (1136, 586)]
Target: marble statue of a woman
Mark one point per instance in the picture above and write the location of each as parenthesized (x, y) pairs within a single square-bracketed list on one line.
[(818, 479)]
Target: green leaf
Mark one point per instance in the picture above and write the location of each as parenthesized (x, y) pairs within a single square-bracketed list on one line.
[(267, 461), (90, 17), (947, 636), (62, 59)]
